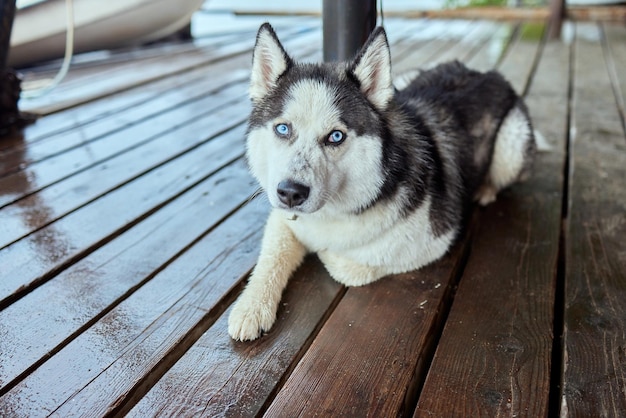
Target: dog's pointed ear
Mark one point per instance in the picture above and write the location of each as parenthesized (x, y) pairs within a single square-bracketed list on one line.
[(372, 67), (269, 61)]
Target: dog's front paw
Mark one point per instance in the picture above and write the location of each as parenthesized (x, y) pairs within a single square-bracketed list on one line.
[(249, 318)]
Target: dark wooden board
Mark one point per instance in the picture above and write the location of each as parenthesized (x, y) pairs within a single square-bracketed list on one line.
[(595, 280), (521, 57), (122, 258), (37, 257), (144, 95), (494, 49), (68, 119), (479, 44), (69, 303), (173, 101), (616, 54), (78, 92), (86, 173), (494, 357), (430, 43), (59, 132), (74, 94), (151, 328), (368, 357), (107, 61), (476, 35), (400, 33), (218, 376)]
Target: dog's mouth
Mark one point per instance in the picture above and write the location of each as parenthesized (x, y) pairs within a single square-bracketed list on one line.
[(296, 211)]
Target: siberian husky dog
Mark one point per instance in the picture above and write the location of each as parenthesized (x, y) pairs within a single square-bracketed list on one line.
[(374, 180)]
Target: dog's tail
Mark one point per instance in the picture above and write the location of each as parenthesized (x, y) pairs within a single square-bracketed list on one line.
[(513, 154)]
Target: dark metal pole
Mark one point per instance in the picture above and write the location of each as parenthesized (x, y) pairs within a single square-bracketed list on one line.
[(11, 119), (557, 14), (7, 13), (347, 24)]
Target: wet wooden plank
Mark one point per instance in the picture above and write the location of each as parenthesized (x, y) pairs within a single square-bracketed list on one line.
[(218, 376), (84, 173), (152, 70), (37, 257), (522, 55), (88, 67), (494, 356), (167, 99), (428, 44), (72, 118), (401, 32), (151, 328), (25, 215), (595, 280), (479, 44), (140, 95), (370, 354), (136, 290), (105, 60), (477, 34), (148, 112), (431, 47), (615, 36), (69, 303), (493, 50), (71, 96)]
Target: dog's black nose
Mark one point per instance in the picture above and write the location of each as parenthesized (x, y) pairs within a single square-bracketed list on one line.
[(292, 193)]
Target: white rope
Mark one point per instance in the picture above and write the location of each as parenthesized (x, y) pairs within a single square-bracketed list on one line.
[(36, 88)]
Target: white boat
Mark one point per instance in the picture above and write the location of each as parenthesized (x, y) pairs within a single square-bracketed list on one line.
[(39, 30)]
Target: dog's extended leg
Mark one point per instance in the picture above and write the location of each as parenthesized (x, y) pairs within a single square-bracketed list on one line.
[(281, 253)]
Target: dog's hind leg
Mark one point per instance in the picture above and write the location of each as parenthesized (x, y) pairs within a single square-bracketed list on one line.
[(255, 310), (513, 154)]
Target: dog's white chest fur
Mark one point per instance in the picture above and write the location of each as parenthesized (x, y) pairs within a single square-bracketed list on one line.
[(378, 239)]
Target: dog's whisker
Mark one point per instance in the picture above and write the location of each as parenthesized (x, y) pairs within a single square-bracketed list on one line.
[(258, 192)]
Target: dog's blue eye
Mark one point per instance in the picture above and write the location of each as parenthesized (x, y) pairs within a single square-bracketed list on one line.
[(282, 129), (336, 137)]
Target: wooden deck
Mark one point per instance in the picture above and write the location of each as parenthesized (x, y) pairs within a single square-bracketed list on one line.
[(126, 234)]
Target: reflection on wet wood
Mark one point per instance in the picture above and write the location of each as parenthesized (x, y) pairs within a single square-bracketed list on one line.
[(126, 233)]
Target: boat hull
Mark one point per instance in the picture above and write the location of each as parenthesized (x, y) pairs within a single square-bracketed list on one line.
[(39, 31)]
